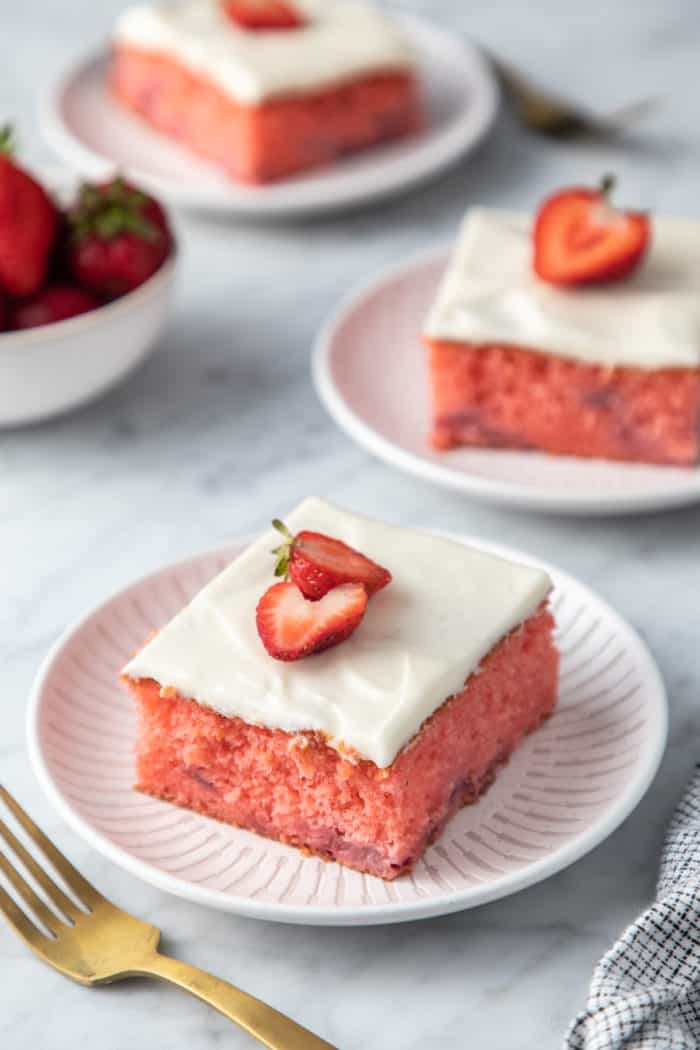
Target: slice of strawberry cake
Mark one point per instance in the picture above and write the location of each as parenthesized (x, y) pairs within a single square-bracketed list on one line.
[(577, 335), (351, 707), (266, 88)]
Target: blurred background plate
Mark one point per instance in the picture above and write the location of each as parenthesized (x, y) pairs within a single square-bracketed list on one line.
[(369, 370), (94, 135)]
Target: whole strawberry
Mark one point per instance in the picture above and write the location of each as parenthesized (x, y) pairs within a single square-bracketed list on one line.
[(28, 223), (57, 302), (119, 237)]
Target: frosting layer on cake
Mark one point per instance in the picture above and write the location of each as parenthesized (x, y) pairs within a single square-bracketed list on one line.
[(340, 40), (421, 638), (650, 320)]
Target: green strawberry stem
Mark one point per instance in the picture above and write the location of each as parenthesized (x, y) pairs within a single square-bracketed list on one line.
[(7, 140), (281, 527), (607, 185), (108, 211), (284, 552)]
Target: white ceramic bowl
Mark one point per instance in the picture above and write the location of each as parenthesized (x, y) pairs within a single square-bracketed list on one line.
[(48, 370)]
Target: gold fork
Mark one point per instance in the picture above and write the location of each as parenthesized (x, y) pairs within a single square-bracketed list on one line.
[(97, 943), (556, 118)]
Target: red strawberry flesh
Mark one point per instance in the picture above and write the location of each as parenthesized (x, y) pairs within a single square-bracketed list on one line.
[(320, 562), (291, 627), (58, 302), (317, 563), (579, 238), (263, 14), (120, 238), (28, 225)]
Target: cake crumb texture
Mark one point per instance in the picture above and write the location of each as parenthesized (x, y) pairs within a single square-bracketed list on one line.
[(495, 396), (310, 796)]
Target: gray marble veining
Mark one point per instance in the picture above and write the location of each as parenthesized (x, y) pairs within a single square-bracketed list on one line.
[(221, 430)]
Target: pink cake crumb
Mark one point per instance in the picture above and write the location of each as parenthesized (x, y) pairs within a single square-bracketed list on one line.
[(273, 139), (299, 790), (494, 396)]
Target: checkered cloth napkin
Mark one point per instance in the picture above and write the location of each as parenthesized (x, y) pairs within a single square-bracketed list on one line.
[(645, 993)]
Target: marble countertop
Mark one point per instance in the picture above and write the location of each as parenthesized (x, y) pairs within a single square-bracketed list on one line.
[(220, 431)]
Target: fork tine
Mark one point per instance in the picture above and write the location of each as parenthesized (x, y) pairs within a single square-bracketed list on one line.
[(44, 914), (631, 112), (80, 886), (54, 892), (16, 917)]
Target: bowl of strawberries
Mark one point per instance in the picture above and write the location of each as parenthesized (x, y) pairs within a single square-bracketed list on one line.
[(86, 271)]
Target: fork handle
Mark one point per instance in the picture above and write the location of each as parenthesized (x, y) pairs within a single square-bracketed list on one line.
[(268, 1026)]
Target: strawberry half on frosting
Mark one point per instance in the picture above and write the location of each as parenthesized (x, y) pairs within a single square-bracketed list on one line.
[(291, 627), (263, 14), (318, 563), (580, 238)]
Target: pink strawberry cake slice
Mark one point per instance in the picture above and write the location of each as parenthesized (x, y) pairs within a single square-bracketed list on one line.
[(264, 89), (359, 753), (606, 370)]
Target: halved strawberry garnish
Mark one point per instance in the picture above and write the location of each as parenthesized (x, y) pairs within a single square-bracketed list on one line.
[(290, 627), (263, 14), (579, 238), (317, 563)]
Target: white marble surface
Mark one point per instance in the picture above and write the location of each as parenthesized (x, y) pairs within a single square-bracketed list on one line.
[(220, 431)]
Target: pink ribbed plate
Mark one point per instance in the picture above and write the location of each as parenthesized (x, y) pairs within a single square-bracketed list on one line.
[(566, 789)]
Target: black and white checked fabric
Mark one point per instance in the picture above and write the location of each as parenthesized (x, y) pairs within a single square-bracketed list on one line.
[(645, 993)]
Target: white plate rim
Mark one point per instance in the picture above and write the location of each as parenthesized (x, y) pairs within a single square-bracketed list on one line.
[(461, 136), (372, 914), (503, 493)]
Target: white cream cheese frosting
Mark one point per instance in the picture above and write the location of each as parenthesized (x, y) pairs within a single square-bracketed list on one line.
[(421, 638), (340, 40), (649, 320)]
